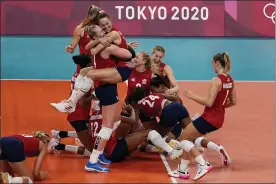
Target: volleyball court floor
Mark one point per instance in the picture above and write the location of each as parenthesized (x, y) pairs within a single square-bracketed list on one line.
[(248, 136)]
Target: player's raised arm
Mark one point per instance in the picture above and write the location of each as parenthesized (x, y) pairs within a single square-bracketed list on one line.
[(75, 40)]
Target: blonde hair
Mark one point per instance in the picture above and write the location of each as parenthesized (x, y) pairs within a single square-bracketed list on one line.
[(42, 136), (158, 48), (228, 62), (224, 60), (90, 30), (92, 13)]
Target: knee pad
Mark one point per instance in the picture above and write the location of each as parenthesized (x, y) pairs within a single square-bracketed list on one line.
[(198, 141), (186, 145), (153, 135), (105, 133)]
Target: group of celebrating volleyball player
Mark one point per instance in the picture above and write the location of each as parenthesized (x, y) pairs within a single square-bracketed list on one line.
[(151, 119)]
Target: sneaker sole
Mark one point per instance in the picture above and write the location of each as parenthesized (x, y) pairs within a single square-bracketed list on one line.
[(94, 170), (103, 162), (59, 110), (226, 161), (210, 168)]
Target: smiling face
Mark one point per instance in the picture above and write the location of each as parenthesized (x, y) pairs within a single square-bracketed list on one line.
[(106, 24)]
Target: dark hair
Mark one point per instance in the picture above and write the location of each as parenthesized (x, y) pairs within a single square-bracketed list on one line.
[(101, 16), (224, 60), (93, 12), (136, 95), (157, 81), (83, 60)]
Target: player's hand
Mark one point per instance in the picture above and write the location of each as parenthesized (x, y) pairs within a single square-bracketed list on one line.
[(156, 70), (170, 92), (188, 93), (134, 44), (105, 42), (43, 175), (69, 48)]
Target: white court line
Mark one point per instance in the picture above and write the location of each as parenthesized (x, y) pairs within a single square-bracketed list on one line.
[(165, 162), (55, 80)]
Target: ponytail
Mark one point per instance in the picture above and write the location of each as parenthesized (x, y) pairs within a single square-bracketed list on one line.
[(228, 63)]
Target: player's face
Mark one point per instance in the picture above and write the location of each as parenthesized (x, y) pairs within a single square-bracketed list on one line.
[(215, 65), (105, 24), (139, 60), (99, 33), (157, 57), (159, 89)]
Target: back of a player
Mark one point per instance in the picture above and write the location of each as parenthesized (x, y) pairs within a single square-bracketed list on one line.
[(216, 112)]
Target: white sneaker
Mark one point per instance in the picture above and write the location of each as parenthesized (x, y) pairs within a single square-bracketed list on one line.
[(55, 135), (202, 170), (51, 146), (64, 106), (226, 160), (180, 173), (175, 154)]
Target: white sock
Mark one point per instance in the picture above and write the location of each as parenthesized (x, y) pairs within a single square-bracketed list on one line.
[(86, 153), (184, 164), (71, 148), (94, 156), (72, 134), (200, 160), (157, 140), (213, 146)]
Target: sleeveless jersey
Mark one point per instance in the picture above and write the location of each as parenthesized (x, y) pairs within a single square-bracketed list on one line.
[(81, 113), (82, 43), (101, 63), (215, 114), (139, 79), (31, 144), (151, 105), (122, 45)]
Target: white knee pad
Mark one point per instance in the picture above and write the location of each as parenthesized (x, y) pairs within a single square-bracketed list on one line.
[(198, 141), (153, 134), (105, 133), (84, 84), (116, 124), (186, 145)]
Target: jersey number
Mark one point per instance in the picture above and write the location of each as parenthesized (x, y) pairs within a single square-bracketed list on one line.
[(151, 104), (94, 127), (226, 97)]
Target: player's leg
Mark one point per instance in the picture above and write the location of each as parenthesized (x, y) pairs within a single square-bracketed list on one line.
[(107, 95), (13, 152), (7, 178), (80, 150), (204, 142), (60, 134), (191, 133)]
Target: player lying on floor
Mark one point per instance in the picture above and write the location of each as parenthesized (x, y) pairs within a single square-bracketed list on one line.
[(119, 148), (15, 149)]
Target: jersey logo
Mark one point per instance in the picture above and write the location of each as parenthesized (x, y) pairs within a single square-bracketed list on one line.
[(133, 80), (144, 81)]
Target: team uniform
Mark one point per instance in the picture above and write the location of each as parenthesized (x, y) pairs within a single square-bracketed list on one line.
[(140, 79), (17, 147), (115, 149), (80, 117), (123, 70), (213, 117), (169, 114), (82, 43)]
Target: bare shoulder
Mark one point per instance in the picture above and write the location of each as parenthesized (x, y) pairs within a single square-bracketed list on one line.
[(216, 81)]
